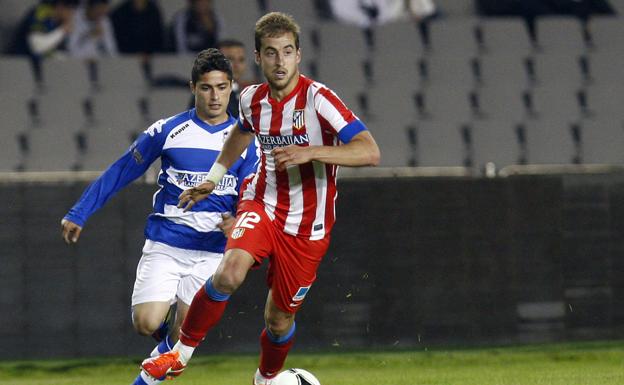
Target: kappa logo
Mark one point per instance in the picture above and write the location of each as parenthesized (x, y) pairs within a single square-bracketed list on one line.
[(237, 233), (298, 119)]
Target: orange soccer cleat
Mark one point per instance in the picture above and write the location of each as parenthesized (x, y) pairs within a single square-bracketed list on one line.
[(165, 365)]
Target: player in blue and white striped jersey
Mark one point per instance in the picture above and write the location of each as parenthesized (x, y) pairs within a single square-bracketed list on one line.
[(182, 249)]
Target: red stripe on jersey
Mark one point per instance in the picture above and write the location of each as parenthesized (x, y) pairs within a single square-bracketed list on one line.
[(256, 110), (346, 113), (330, 170), (308, 178), (283, 187)]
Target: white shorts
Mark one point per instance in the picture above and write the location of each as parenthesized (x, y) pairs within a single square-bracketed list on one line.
[(167, 273)]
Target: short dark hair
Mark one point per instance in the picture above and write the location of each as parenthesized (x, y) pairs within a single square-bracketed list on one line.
[(275, 24), (227, 43), (210, 59)]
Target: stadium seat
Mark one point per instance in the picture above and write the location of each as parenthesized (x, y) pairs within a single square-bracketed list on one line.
[(453, 37), (52, 148), (495, 141), (439, 144), (104, 144), (606, 67), (556, 68), (399, 36), (167, 102), (504, 69), (173, 66), (603, 141), (65, 77), (239, 17), (507, 35), (16, 76), (121, 74), (334, 37), (550, 141), (560, 35), (607, 33), (16, 122)]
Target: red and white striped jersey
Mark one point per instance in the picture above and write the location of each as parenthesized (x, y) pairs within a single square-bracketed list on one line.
[(301, 199)]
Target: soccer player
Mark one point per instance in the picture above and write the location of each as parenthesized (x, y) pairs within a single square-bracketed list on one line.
[(286, 211), (183, 247)]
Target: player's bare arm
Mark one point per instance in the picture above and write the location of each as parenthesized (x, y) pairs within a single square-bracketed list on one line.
[(227, 223), (70, 231), (237, 141), (362, 150)]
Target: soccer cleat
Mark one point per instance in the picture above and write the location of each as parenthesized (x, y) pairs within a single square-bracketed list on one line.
[(259, 379), (165, 365)]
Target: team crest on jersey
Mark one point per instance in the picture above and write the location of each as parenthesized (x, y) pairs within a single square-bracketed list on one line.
[(237, 233), (298, 119)]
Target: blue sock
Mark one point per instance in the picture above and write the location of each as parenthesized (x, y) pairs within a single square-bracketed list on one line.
[(165, 345)]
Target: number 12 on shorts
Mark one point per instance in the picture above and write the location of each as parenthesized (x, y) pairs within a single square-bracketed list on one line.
[(247, 220)]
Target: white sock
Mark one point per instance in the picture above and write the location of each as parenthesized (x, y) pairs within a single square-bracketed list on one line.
[(149, 380), (186, 352)]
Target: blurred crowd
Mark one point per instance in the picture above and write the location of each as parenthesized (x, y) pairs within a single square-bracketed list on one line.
[(91, 28)]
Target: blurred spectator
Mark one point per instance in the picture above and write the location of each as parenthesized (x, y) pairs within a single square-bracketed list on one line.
[(234, 50), (138, 27), (44, 30), (196, 27), (93, 34), (368, 13)]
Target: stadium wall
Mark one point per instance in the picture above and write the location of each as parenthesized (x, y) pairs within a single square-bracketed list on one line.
[(414, 262)]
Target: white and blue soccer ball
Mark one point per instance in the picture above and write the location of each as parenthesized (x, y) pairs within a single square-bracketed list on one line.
[(295, 376)]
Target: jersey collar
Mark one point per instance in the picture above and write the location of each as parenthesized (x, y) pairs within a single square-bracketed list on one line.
[(208, 127)]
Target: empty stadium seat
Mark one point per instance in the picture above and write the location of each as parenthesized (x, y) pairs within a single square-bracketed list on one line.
[(560, 35), (506, 35), (453, 37)]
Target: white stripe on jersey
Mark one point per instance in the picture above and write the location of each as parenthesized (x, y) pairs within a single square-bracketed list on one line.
[(203, 221), (306, 207)]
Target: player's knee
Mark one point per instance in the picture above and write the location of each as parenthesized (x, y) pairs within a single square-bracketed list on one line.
[(227, 281), (144, 324), (279, 325)]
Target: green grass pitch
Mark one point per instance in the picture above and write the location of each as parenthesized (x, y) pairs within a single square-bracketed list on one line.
[(588, 363)]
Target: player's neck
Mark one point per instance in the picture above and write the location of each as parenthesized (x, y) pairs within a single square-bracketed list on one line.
[(280, 94), (213, 121)]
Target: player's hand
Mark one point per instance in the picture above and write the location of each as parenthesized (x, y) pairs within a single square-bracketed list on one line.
[(290, 155), (227, 224), (70, 231), (189, 197)]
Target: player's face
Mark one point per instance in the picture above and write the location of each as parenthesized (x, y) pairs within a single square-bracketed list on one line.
[(236, 56), (279, 60), (212, 94)]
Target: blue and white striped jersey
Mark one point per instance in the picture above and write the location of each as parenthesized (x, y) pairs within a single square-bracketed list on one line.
[(187, 147)]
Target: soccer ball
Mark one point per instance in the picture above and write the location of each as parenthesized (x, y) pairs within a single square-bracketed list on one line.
[(295, 377)]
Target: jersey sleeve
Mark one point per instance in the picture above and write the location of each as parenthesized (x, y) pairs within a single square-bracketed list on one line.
[(132, 164), (244, 113), (337, 116)]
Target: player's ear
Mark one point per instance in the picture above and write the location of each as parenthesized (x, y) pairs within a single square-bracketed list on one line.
[(257, 57), (298, 55), (192, 87)]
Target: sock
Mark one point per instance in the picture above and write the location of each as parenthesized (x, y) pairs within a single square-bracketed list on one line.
[(144, 379), (205, 312), (274, 351), (163, 347)]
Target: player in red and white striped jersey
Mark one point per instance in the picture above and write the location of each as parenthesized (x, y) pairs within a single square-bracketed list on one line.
[(287, 210)]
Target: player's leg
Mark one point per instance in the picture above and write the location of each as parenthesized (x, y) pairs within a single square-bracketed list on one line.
[(204, 313), (157, 280), (275, 340), (291, 274)]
